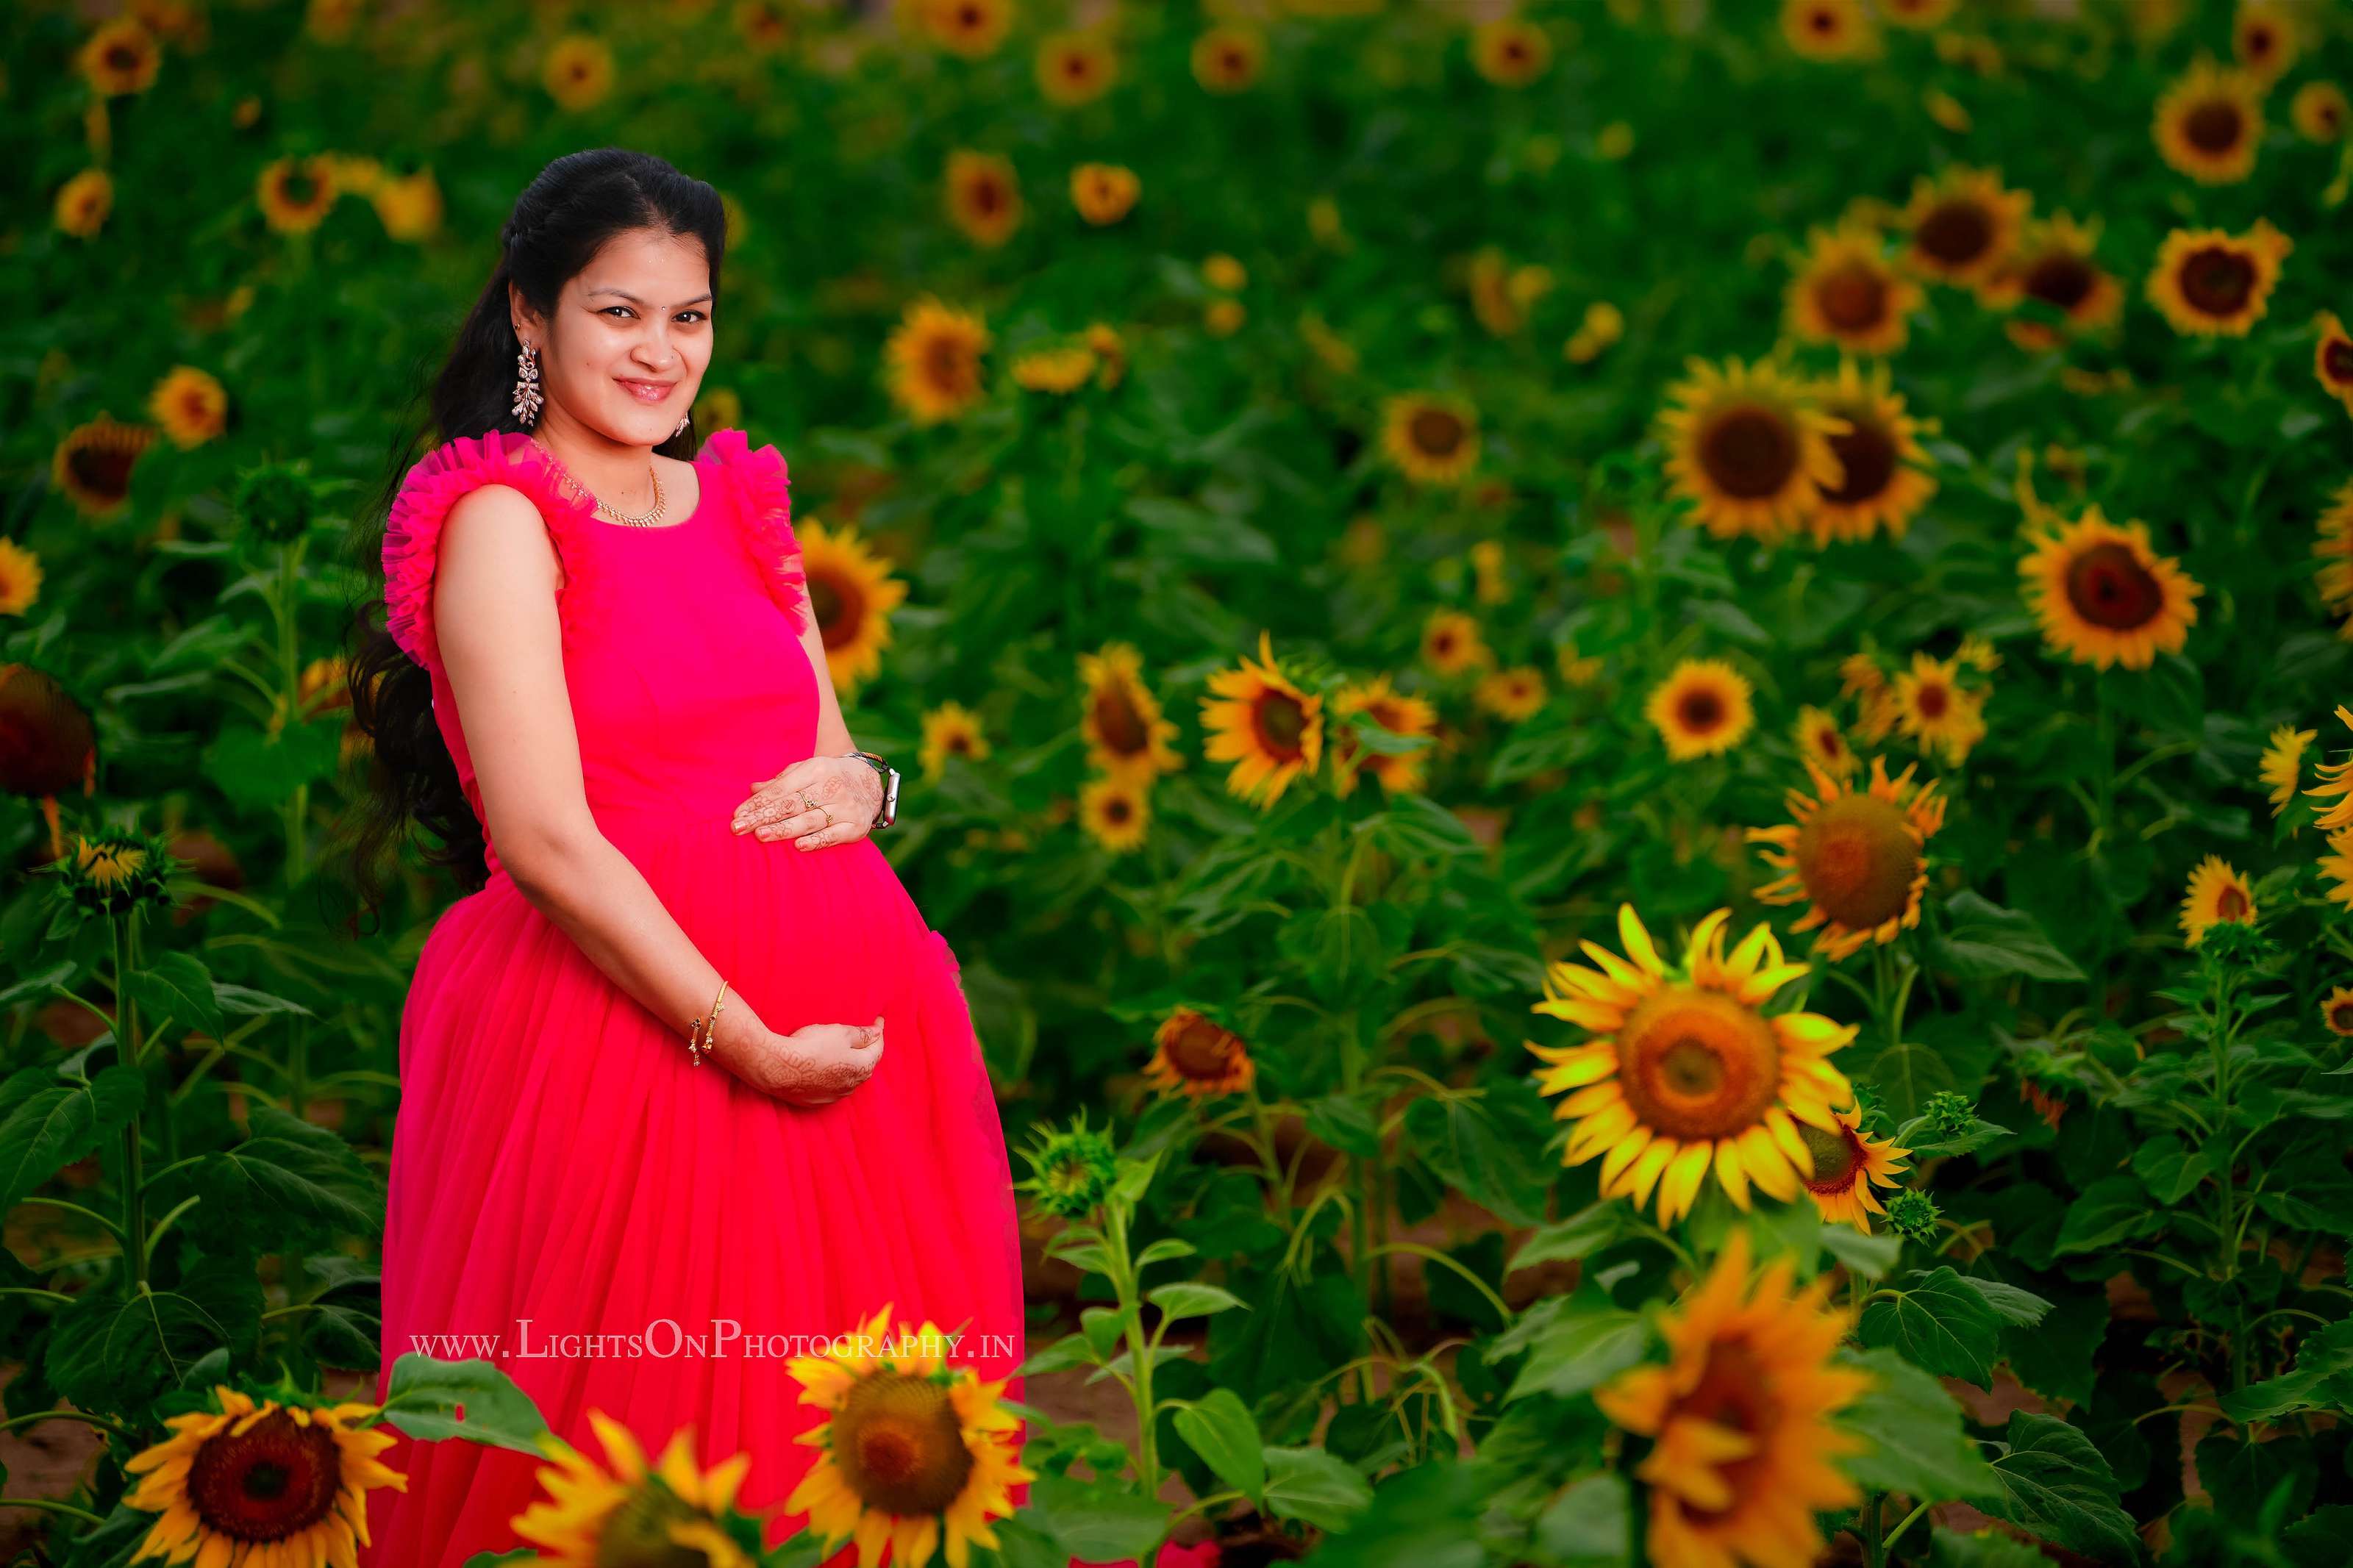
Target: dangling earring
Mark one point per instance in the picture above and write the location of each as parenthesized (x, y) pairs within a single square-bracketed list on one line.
[(526, 397), (681, 426)]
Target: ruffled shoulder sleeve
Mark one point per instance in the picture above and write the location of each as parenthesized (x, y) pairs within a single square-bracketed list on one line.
[(412, 534), (764, 516)]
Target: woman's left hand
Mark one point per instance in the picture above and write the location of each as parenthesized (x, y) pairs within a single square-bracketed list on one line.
[(817, 802)]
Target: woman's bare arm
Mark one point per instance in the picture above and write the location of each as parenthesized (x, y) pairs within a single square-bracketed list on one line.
[(494, 612)]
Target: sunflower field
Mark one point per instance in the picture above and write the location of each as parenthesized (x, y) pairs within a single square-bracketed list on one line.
[(1633, 715)]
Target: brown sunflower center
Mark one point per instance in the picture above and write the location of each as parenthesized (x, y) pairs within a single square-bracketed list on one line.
[(2215, 126), (273, 1480), (1858, 861), (2258, 41), (1853, 297), (2231, 905), (1932, 700), (1867, 453), (1697, 1065), (2217, 280), (2337, 359), (837, 605), (946, 363), (1436, 433), (897, 1444), (103, 471), (2061, 280), (987, 196), (1750, 452), (1281, 722), (1955, 233), (1118, 722), (2341, 1017), (1837, 1157), (1117, 810), (2108, 586), (1735, 1390), (1701, 709), (1197, 1047), (637, 1533)]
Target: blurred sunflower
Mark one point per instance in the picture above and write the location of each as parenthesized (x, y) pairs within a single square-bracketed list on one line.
[(1748, 449), (49, 746), (2332, 359), (851, 593), (1820, 741), (1859, 856), (1399, 713), (93, 465), (1194, 1056), (1116, 812), (935, 360), (2055, 264), (1686, 1074), (1111, 354), (1219, 271), (1104, 192), (670, 1511), (2208, 283), (950, 730), (409, 206), (2336, 780), (913, 1456), (2263, 36), (1847, 1164), (578, 71), (1744, 1441), (1061, 370), (2337, 866), (1432, 437), (2281, 766), (1962, 225), (295, 194), (1258, 720), (2337, 1010), (2102, 595), (1223, 318), (1075, 67), (1576, 668), (972, 28), (1510, 51), (1451, 643), (83, 203), (1828, 30), (190, 405), (2335, 550), (1511, 694), (1603, 324), (2209, 121), (984, 196), (2318, 111), (1936, 712), (765, 26), (1977, 652), (121, 57), (1701, 709), (254, 1482), (20, 578), (1228, 58), (2217, 892), (1125, 735), (1846, 293), (1882, 483)]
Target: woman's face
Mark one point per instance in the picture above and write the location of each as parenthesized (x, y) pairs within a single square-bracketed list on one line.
[(624, 354)]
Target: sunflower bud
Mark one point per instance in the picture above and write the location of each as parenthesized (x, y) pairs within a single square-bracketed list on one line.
[(274, 501), (114, 871), (1072, 1170), (1913, 1214)]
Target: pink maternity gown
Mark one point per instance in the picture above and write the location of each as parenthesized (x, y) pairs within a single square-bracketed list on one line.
[(559, 1168)]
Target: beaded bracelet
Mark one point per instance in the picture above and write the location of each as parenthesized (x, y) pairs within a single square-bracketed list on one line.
[(698, 1032)]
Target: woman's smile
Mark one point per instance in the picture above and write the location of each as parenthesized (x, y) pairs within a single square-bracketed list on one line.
[(647, 391)]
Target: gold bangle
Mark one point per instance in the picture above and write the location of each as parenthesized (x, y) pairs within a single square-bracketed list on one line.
[(698, 1034)]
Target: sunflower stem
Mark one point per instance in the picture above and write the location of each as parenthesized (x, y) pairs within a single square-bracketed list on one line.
[(1129, 1287), (1874, 1549), (126, 1023)]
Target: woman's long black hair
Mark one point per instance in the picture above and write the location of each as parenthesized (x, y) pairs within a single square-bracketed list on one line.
[(563, 218)]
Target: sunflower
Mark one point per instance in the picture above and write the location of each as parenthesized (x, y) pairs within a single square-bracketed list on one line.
[(2217, 892), (48, 745), (984, 196), (2337, 866), (1935, 710), (1228, 58), (2337, 779), (1511, 694), (1111, 354), (1260, 721), (1859, 854), (2335, 549), (122, 57), (950, 730), (1451, 643), (1701, 709), (1741, 1420), (1433, 437), (1399, 713), (1075, 67), (578, 71), (1821, 742), (295, 194), (262, 1482), (1962, 225), (1125, 735), (1195, 1056), (1116, 811), (409, 206), (1977, 652), (1576, 668), (911, 1452), (1602, 325), (2318, 111), (1847, 1164), (668, 1511), (190, 405), (2337, 1011), (1827, 29), (2055, 264), (20, 578), (93, 465), (1686, 1074), (1510, 51), (2332, 359), (1881, 461), (1748, 449), (1104, 192), (765, 26), (935, 359), (851, 593), (83, 203), (1846, 293), (1060, 370), (969, 27), (2104, 596), (2283, 764), (2208, 283), (1223, 318), (1219, 271), (2263, 35), (2209, 121)]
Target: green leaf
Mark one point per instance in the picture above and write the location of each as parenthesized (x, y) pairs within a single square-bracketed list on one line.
[(2111, 1210), (434, 1400), (2170, 1172), (174, 985), (2322, 1379), (2009, 1303), (1221, 1429), (1191, 1299), (1345, 1122), (305, 1178), (1314, 1488), (1917, 1444), (1584, 1232), (1168, 1249), (1939, 1322), (55, 1124), (1982, 940), (2056, 1485), (1482, 1158), (1869, 1256), (1577, 1351), (1587, 1525), (1986, 1549)]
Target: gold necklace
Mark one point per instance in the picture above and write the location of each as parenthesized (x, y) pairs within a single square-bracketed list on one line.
[(650, 520)]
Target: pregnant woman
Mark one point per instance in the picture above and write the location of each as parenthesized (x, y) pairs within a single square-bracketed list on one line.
[(646, 1092)]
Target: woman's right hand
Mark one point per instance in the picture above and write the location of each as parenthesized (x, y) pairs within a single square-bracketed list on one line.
[(812, 1066)]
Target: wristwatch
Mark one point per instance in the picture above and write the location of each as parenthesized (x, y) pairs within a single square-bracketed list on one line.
[(890, 812)]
